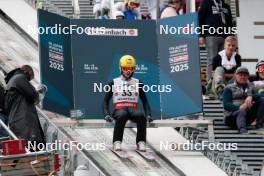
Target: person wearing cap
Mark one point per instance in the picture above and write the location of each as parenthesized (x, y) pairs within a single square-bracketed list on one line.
[(125, 92), (119, 15), (242, 104), (259, 80)]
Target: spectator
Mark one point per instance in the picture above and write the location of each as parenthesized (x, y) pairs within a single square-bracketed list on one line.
[(97, 9), (119, 15), (242, 104), (197, 4), (131, 10), (154, 7), (2, 110), (104, 14), (21, 98), (213, 14), (174, 8), (105, 9), (39, 4), (101, 9), (225, 64), (259, 80), (146, 16)]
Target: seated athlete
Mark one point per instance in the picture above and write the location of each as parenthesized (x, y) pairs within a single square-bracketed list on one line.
[(125, 91)]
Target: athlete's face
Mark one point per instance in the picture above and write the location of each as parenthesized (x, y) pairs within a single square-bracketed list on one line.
[(127, 71)]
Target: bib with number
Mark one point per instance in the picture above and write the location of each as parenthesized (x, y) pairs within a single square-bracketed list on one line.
[(125, 93)]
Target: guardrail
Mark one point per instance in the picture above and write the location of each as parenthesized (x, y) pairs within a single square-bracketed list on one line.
[(11, 134)]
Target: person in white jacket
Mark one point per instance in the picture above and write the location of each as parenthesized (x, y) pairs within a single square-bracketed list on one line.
[(154, 7), (103, 9)]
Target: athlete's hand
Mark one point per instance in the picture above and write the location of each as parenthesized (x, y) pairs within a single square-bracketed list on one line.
[(108, 118), (149, 119)]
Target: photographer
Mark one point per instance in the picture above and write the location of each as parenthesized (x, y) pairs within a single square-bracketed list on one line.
[(20, 100)]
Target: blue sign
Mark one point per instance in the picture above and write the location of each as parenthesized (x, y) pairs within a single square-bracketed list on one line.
[(77, 66)]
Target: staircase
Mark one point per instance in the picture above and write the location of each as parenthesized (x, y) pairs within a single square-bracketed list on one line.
[(246, 160), (86, 8), (250, 146), (65, 6)]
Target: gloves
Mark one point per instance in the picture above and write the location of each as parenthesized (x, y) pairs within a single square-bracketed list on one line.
[(108, 118), (42, 89), (149, 119)]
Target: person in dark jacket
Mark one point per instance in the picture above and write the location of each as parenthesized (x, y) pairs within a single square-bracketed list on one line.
[(3, 116), (242, 104), (125, 91), (214, 14), (21, 98)]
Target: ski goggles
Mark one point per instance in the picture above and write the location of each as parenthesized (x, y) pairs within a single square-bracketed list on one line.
[(128, 69), (260, 69)]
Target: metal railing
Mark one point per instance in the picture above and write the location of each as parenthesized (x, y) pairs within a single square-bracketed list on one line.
[(11, 134), (67, 158), (56, 133)]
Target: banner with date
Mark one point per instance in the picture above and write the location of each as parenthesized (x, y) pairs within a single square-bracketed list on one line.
[(96, 56), (79, 57), (179, 65), (55, 62)]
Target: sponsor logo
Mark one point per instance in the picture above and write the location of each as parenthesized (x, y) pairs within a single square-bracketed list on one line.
[(114, 32), (90, 68)]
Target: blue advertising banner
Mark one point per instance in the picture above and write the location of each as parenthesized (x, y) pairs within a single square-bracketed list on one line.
[(55, 62), (179, 65), (77, 66), (96, 60)]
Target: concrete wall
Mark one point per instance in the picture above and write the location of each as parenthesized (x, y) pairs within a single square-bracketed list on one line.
[(249, 47)]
